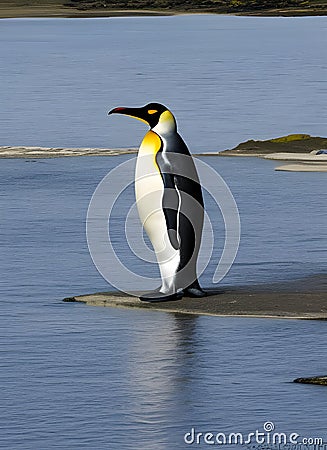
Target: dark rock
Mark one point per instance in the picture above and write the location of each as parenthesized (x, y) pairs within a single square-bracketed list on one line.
[(69, 299), (313, 380)]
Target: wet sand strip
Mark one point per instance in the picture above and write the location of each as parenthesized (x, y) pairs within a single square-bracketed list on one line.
[(300, 299), (56, 152)]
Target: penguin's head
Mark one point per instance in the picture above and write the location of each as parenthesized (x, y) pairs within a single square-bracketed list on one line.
[(155, 115)]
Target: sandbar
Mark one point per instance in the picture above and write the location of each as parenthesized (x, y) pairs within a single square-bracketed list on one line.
[(298, 299), (56, 152), (303, 167)]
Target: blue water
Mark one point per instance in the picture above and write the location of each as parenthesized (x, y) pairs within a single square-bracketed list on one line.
[(80, 377), (44, 204), (76, 377), (228, 79)]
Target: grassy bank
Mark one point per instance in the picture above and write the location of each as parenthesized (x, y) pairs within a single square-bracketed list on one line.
[(293, 144), (111, 8)]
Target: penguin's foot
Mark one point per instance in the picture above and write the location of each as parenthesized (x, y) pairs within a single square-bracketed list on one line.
[(194, 292), (158, 296)]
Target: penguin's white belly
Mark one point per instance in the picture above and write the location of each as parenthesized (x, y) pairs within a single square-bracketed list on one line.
[(149, 192)]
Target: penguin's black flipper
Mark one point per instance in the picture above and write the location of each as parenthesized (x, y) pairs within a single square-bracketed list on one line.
[(157, 296), (170, 206)]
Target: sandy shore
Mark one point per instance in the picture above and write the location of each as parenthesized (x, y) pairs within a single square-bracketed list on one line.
[(49, 152), (58, 152), (300, 299), (305, 157), (315, 164), (303, 167), (305, 162), (57, 10)]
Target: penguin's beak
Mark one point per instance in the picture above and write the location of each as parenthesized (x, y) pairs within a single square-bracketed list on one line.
[(136, 113), (119, 110)]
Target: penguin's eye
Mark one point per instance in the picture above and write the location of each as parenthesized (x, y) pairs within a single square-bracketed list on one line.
[(152, 111)]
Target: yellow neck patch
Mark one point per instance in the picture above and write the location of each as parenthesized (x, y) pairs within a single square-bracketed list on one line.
[(151, 143)]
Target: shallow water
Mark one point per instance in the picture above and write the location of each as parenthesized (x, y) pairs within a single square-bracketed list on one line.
[(78, 377), (81, 377), (44, 204)]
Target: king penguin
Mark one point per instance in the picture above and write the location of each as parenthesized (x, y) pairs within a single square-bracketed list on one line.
[(169, 202)]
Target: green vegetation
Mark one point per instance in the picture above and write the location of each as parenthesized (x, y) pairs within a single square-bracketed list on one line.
[(293, 143), (76, 8), (290, 138)]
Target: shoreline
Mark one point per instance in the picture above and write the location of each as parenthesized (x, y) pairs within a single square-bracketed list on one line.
[(26, 152), (34, 153), (60, 11), (310, 163), (35, 12), (303, 167), (303, 299), (22, 151)]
